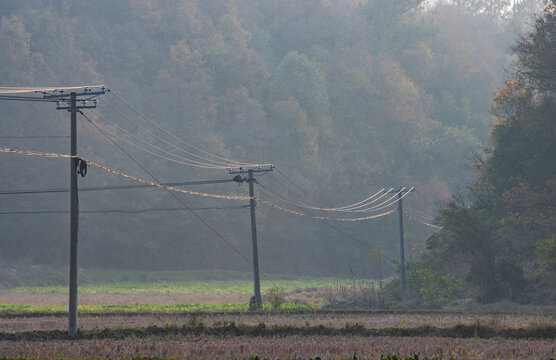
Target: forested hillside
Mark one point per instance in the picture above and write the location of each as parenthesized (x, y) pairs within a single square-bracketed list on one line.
[(503, 235), (344, 97)]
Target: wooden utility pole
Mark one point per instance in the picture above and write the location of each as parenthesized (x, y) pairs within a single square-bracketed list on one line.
[(256, 281), (74, 220), (77, 166), (400, 192), (240, 178)]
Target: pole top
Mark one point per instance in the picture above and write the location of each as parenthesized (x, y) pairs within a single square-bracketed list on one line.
[(254, 169)]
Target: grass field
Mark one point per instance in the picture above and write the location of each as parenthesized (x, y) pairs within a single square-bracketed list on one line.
[(218, 287)]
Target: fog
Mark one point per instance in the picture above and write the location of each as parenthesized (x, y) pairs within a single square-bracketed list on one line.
[(344, 98)]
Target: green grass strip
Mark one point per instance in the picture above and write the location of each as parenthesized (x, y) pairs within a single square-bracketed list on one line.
[(19, 309), (219, 287)]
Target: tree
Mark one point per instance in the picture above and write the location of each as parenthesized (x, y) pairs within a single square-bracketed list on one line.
[(504, 236)]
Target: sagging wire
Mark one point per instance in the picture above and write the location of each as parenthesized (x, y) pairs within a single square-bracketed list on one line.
[(216, 162), (177, 138), (378, 207), (120, 211), (423, 222), (122, 174), (187, 161), (370, 200)]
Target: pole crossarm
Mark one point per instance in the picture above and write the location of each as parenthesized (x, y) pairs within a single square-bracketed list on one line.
[(85, 91), (254, 169), (83, 97)]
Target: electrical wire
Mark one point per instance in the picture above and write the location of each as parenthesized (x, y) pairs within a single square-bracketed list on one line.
[(423, 222), (333, 227), (175, 189), (103, 188), (151, 152), (372, 209), (216, 162), (119, 211), (177, 138), (423, 214), (36, 137), (23, 98), (293, 212), (365, 202), (122, 174)]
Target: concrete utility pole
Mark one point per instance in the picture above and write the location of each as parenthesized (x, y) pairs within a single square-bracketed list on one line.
[(77, 166), (240, 178), (400, 193)]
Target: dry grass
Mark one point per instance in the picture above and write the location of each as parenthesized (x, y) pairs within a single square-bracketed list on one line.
[(207, 347), (329, 320)]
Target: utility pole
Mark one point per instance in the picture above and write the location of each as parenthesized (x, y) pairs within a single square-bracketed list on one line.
[(401, 191), (74, 220), (77, 166), (240, 178)]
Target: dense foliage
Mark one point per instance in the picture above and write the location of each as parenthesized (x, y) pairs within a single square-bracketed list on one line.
[(503, 241), (343, 96)]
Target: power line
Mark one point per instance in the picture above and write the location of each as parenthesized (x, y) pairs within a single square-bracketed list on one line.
[(119, 211), (374, 208), (436, 227), (177, 138), (114, 187), (216, 162), (349, 236), (36, 137), (347, 208), (124, 175), (26, 98), (186, 161)]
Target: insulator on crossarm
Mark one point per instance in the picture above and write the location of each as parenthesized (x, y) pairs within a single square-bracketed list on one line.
[(84, 101), (61, 90), (95, 101)]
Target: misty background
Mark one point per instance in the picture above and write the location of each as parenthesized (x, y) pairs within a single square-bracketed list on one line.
[(344, 97)]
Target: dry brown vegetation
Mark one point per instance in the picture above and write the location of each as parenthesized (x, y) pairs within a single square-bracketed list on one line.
[(370, 320), (208, 347), (225, 345)]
